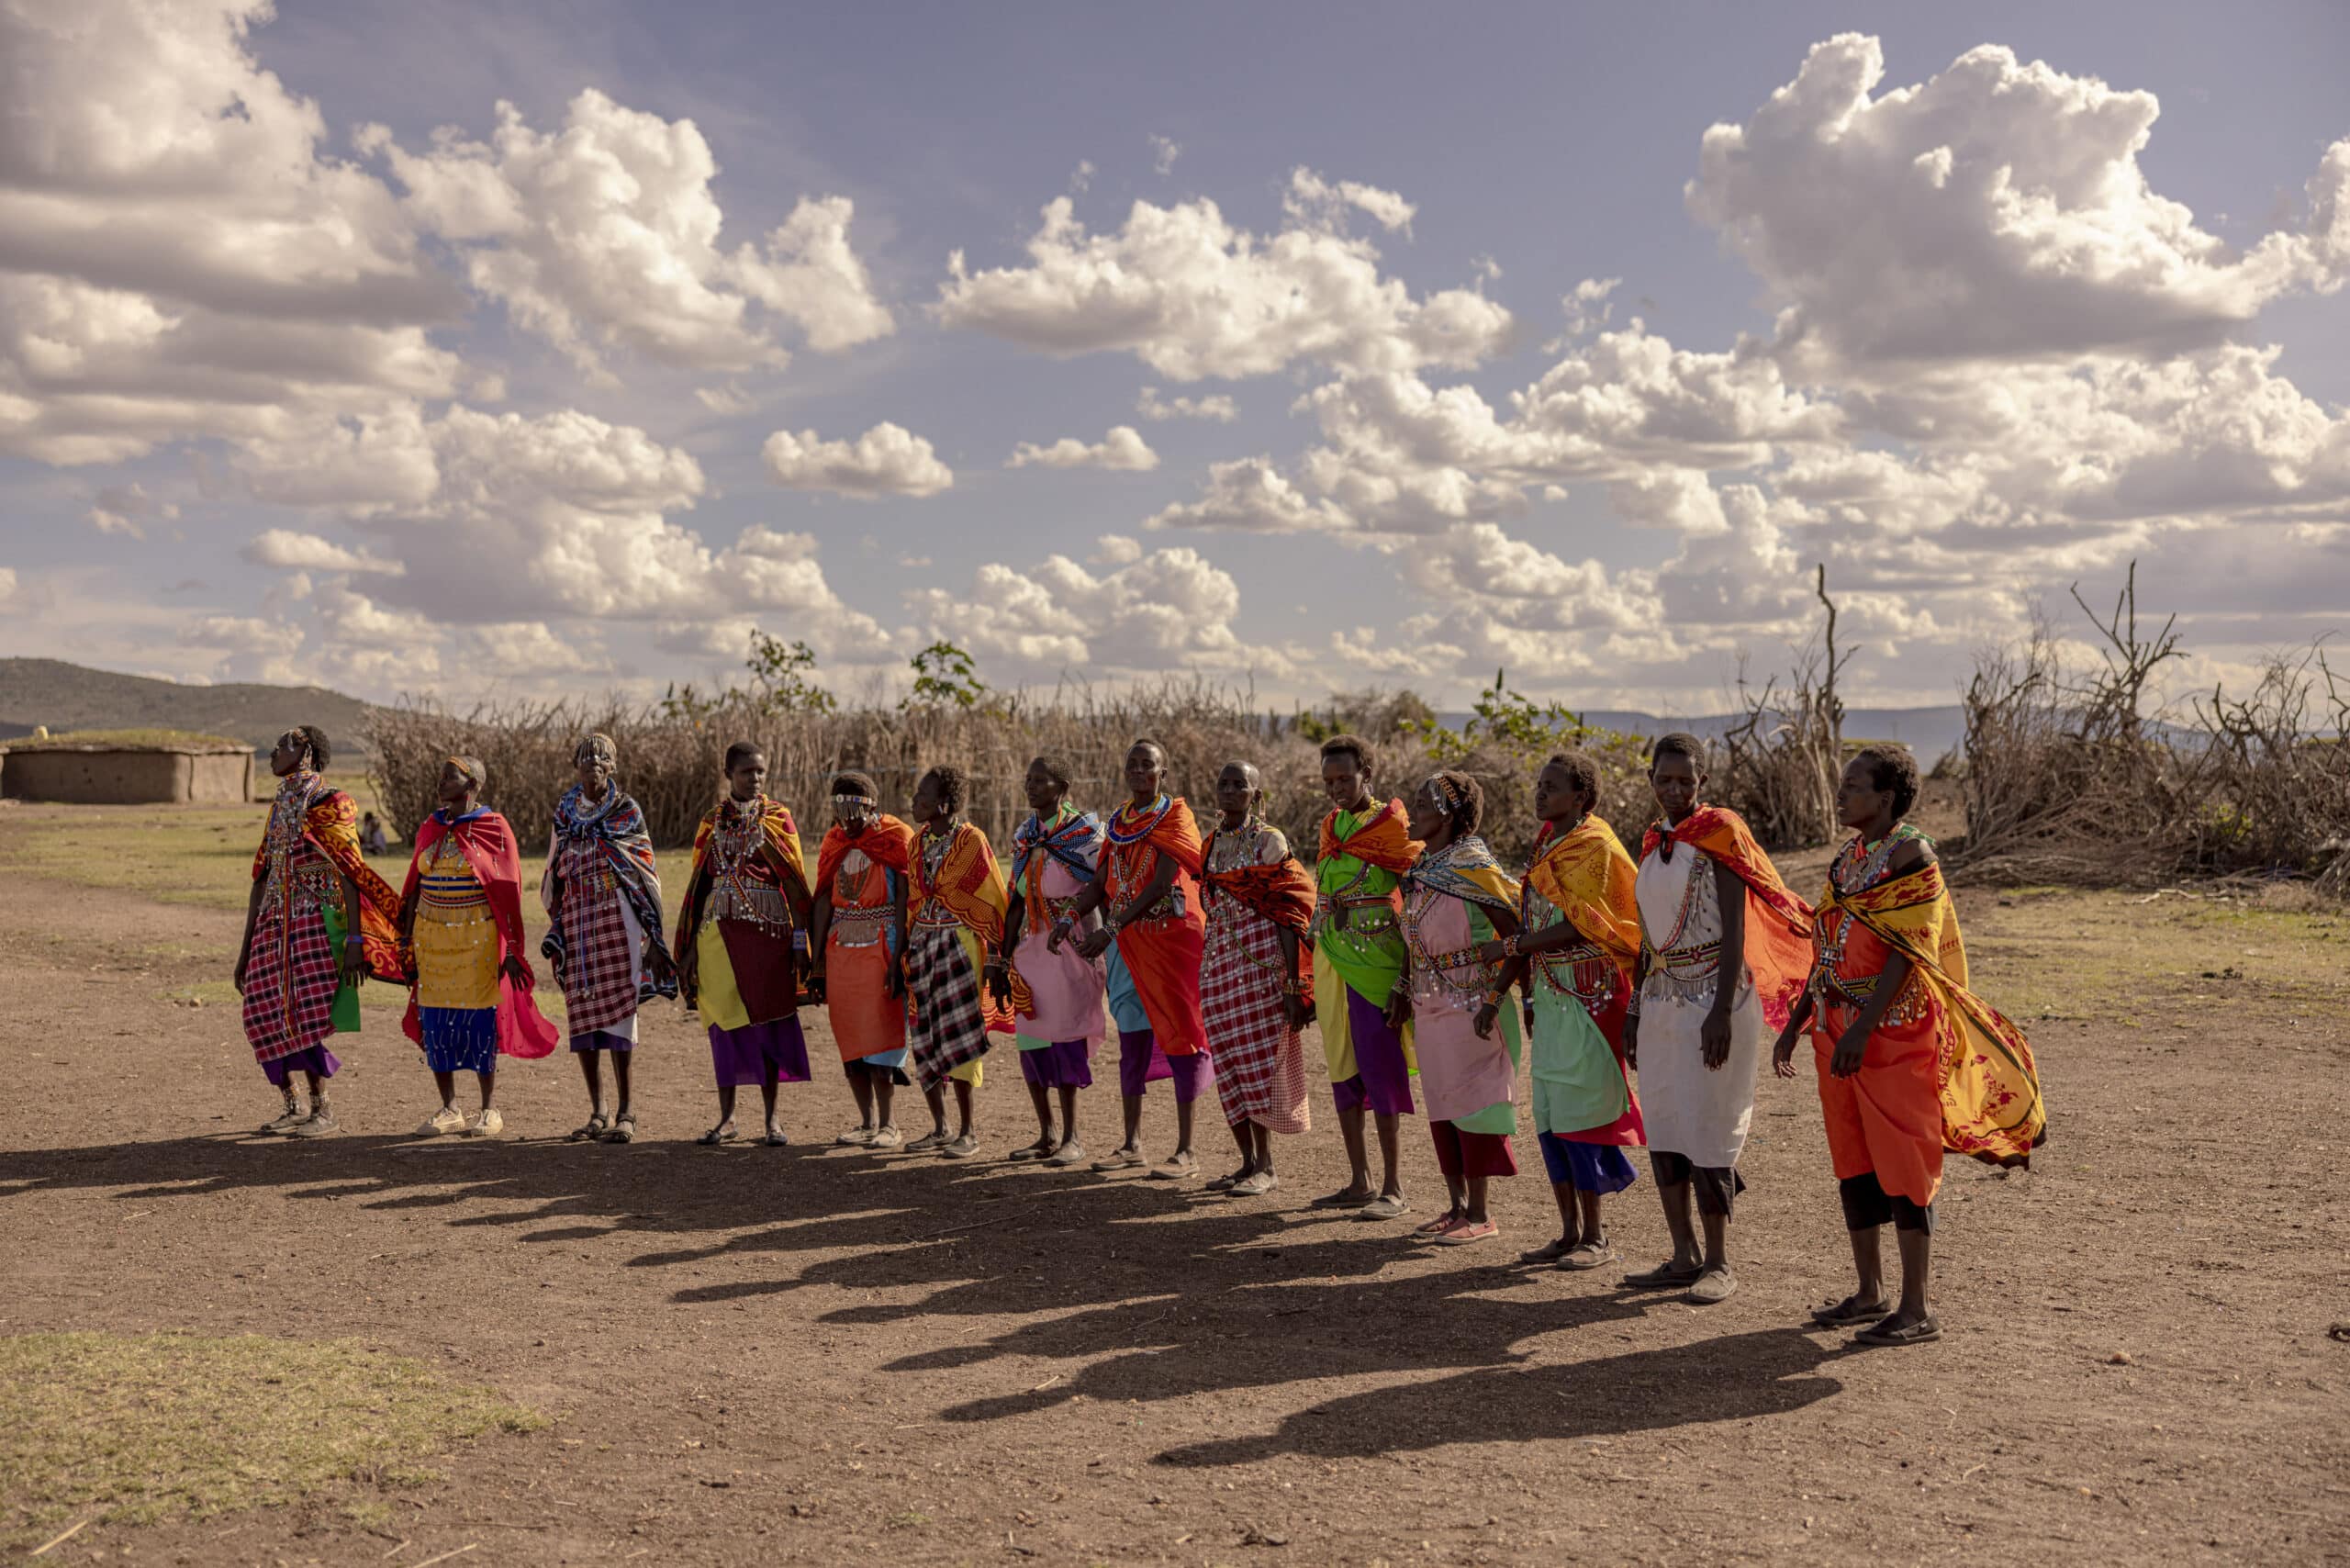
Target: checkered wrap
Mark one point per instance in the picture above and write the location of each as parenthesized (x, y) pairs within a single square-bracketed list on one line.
[(1260, 1059), (950, 1025), (290, 981), (600, 984)]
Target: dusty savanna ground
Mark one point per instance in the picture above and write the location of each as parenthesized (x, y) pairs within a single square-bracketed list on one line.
[(826, 1357)]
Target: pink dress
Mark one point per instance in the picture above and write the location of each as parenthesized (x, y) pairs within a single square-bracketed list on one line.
[(1066, 992)]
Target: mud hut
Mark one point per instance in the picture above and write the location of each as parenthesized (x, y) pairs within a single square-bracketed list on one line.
[(125, 767)]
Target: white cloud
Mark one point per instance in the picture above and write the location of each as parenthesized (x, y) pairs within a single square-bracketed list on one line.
[(308, 552), (606, 235), (178, 256), (1996, 211), (1318, 203), (1216, 406), (887, 460), (1164, 150), (1586, 306), (1191, 295), (1165, 610), (1251, 495), (125, 510), (1123, 449)]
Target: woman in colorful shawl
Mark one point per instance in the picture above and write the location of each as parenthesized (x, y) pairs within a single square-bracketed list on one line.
[(1359, 991), (743, 940), (1456, 899), (462, 913), (1255, 984), (1580, 935), (955, 905), (318, 923), (1056, 997), (1695, 1026), (605, 934), (1148, 889), (857, 930), (1910, 1061)]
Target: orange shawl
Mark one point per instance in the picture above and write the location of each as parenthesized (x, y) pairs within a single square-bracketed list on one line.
[(1778, 923), (1173, 833), (782, 834), (885, 839), (1587, 878), (970, 883), (330, 823), (1990, 1082), (1284, 894), (1380, 839)]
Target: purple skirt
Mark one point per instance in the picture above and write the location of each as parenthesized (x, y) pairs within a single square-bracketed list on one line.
[(1064, 1064), (1141, 1063), (760, 1054), (317, 1058), (1382, 1080)]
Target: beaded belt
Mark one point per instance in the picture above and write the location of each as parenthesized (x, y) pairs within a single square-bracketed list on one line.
[(860, 925)]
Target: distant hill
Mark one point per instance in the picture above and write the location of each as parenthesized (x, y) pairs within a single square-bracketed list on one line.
[(34, 692)]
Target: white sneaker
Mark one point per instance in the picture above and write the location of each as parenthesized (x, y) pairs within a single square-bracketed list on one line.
[(448, 1119), (490, 1125)]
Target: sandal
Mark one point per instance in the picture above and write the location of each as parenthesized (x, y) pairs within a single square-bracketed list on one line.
[(590, 1131), (1665, 1276), (1590, 1255), (1344, 1198), (1851, 1310), (624, 1129), (722, 1133), (1925, 1331), (1469, 1230), (1448, 1221), (775, 1140), (1550, 1253)]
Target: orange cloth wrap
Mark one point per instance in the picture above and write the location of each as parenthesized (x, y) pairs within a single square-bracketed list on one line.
[(1778, 924)]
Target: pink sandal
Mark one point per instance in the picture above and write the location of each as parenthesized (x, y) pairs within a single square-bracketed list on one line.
[(1466, 1231), (1442, 1225)]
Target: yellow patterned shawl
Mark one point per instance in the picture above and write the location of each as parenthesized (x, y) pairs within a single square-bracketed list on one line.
[(1990, 1084)]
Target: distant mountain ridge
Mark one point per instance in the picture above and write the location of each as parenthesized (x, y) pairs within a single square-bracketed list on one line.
[(34, 692)]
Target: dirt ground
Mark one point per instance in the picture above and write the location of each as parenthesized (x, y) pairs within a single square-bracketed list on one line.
[(813, 1355)]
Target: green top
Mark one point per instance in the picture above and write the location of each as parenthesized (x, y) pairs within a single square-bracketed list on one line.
[(1368, 954)]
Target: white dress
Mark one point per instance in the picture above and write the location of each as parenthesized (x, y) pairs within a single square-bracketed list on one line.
[(1699, 1113)]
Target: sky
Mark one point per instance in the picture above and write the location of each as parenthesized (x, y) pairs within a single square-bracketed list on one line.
[(491, 348)]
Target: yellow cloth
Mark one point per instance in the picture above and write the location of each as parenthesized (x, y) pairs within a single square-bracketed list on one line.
[(719, 999), (457, 939)]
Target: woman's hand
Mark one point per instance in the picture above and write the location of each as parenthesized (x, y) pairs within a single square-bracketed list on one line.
[(1850, 1046), (355, 960), (1483, 1022), (1296, 1010), (997, 978), (1095, 942), (244, 962), (688, 967), (1398, 1010), (1713, 1039), (515, 970), (1783, 1055), (663, 966), (894, 986), (1053, 938)]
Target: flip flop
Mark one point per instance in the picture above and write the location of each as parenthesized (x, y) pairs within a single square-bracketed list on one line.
[(717, 1135), (1925, 1331), (1664, 1277), (1344, 1198), (1851, 1310)]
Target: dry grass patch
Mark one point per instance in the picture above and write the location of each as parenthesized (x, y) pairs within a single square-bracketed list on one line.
[(131, 1428)]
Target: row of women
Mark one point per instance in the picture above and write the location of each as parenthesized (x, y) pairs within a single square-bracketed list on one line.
[(1638, 994)]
